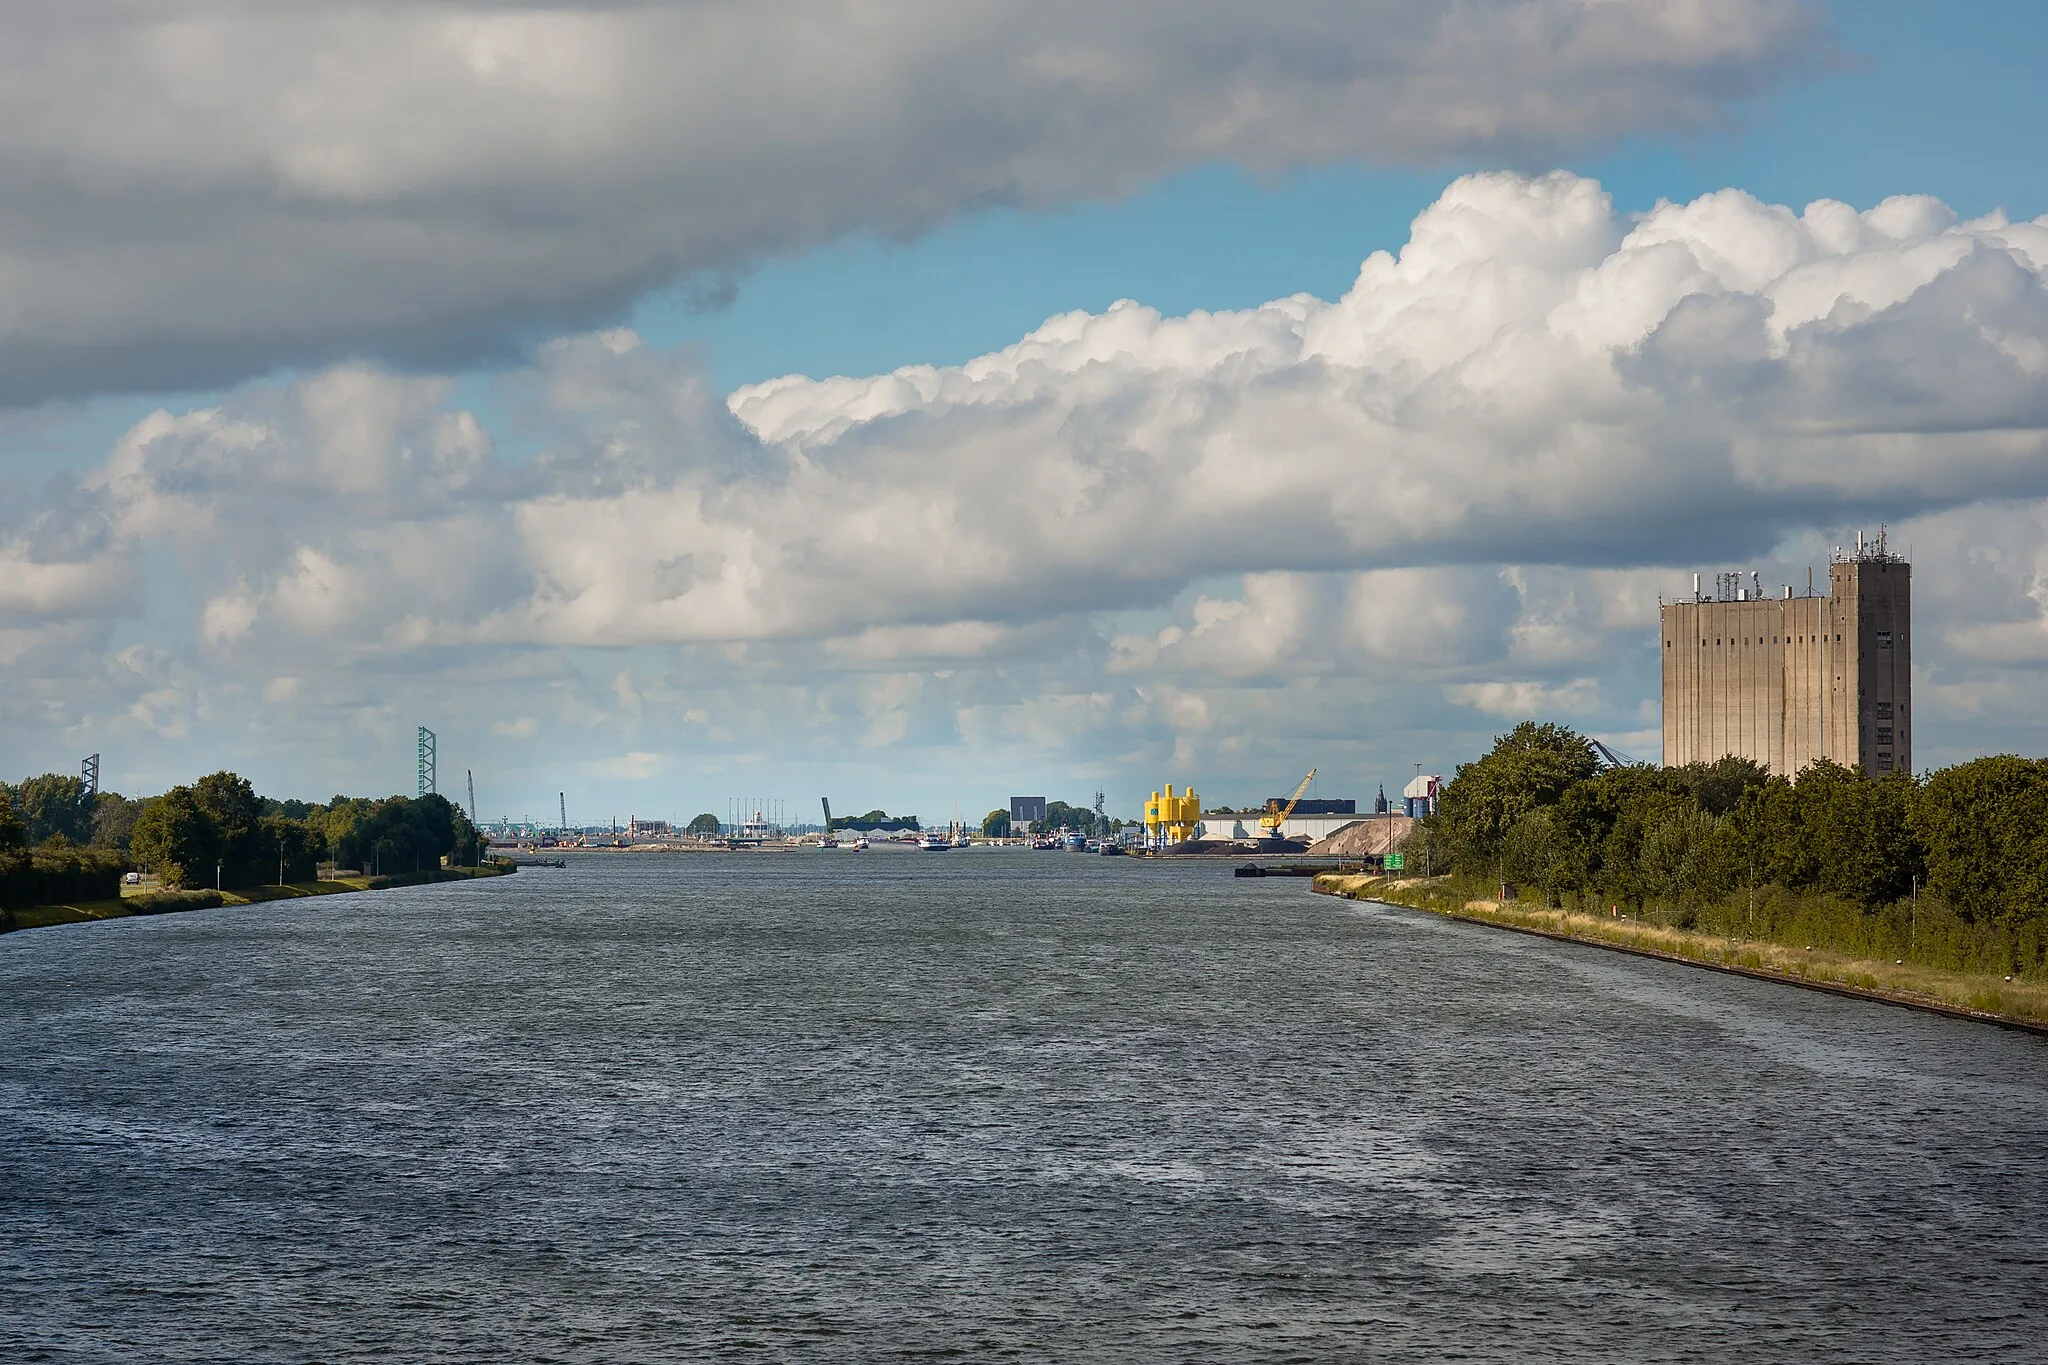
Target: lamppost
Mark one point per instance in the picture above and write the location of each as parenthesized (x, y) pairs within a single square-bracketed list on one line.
[(1428, 844)]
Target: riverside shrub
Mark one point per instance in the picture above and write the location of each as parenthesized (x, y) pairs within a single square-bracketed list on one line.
[(1950, 869), (163, 902), (58, 876)]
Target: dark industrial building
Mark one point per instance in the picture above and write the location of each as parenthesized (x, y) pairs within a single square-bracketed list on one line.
[(1308, 807)]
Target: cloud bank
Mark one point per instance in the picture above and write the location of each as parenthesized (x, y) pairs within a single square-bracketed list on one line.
[(1443, 500), (204, 190)]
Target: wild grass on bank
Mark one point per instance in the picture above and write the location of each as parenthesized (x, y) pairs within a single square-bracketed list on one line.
[(2022, 998)]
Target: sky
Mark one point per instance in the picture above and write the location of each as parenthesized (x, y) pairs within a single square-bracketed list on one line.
[(924, 404)]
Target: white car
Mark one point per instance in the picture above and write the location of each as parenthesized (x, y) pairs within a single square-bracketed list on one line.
[(133, 879)]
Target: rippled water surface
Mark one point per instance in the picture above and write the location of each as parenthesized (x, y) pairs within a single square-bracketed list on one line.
[(840, 1106)]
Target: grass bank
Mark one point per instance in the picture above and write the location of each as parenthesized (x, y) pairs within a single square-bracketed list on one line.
[(153, 903), (2016, 1001)]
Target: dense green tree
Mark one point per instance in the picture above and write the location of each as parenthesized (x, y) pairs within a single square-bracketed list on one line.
[(54, 805), (1074, 819), (247, 846), (1530, 767), (1640, 800), (1848, 844), (1840, 831), (230, 803), (1529, 852), (1984, 826), (1599, 824), (13, 834), (344, 826), (1690, 856), (176, 839), (705, 825), (1719, 786), (996, 825), (290, 809), (113, 821), (291, 851), (398, 834), (1424, 848)]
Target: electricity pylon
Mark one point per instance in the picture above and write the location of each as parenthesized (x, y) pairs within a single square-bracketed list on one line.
[(427, 777)]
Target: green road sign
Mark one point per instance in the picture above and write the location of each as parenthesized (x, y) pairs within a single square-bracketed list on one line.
[(1394, 862)]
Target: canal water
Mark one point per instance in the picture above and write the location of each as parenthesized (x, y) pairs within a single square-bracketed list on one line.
[(833, 1106)]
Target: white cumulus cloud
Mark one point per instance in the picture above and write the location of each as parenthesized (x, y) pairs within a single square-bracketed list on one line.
[(1448, 497), (200, 190)]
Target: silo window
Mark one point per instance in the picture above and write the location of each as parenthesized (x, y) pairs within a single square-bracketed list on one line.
[(1884, 639), (1884, 710), (1884, 734)]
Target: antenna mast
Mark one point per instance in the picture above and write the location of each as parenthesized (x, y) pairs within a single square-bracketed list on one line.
[(89, 773), (426, 770)]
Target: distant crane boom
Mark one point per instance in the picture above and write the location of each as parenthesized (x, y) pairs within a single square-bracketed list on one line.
[(1611, 758), (1276, 814), (826, 801)]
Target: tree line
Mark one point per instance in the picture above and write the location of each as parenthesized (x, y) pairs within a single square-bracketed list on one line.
[(56, 836), (1954, 862), (1058, 816)]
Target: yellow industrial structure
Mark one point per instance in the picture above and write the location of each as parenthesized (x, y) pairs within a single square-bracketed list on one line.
[(1171, 819), (1275, 818)]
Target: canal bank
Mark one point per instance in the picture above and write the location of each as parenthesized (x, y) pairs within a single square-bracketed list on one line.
[(2007, 1002), (172, 902)]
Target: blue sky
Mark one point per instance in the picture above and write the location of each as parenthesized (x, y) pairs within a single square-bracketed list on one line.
[(1920, 98), (250, 598), (1923, 98)]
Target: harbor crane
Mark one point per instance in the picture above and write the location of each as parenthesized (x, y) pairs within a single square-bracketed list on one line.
[(1276, 813), (1610, 758), (826, 801)]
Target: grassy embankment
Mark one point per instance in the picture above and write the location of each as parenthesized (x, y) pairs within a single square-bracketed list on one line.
[(1978, 994), (150, 901)]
